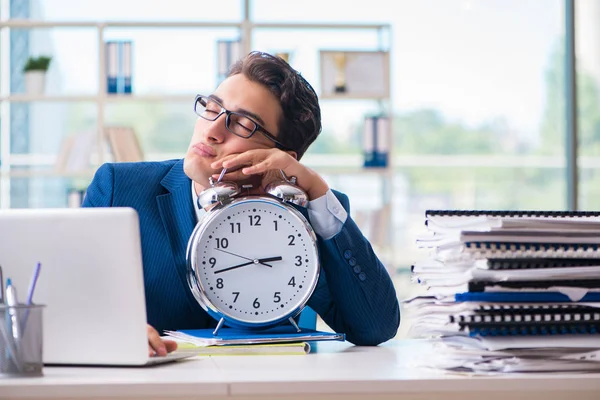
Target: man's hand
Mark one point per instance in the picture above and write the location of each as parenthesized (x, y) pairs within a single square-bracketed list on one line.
[(157, 346), (267, 163)]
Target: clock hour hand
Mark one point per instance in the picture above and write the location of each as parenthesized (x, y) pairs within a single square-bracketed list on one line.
[(268, 259)]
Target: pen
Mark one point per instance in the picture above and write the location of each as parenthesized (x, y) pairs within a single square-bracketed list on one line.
[(12, 302), (2, 299), (34, 278), (12, 324), (30, 291)]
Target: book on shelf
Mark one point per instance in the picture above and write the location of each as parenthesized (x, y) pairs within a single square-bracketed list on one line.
[(76, 152), (124, 144)]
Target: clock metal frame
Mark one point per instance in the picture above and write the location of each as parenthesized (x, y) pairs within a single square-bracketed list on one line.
[(194, 269)]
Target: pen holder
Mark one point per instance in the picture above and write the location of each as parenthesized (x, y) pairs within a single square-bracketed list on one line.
[(21, 340)]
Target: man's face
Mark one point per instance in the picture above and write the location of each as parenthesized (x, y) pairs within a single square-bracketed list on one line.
[(212, 141)]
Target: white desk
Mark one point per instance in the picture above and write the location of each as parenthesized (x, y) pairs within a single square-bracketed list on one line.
[(337, 371)]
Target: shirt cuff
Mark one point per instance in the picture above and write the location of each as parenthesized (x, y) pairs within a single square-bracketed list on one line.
[(327, 215)]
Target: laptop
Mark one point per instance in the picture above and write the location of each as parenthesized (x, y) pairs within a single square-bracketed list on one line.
[(91, 281)]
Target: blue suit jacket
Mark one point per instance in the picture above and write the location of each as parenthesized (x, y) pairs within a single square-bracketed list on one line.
[(355, 294)]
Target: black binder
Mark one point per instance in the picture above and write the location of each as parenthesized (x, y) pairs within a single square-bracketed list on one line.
[(530, 319)]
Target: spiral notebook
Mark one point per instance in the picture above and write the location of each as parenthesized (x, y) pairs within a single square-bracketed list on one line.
[(538, 263), (448, 220), (513, 320), (485, 250), (513, 214)]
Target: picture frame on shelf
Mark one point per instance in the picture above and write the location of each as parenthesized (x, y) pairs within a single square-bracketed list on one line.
[(354, 74)]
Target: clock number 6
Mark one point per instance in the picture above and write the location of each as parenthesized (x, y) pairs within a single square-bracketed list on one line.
[(256, 304)]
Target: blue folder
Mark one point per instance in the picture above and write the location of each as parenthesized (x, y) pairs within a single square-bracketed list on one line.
[(279, 334)]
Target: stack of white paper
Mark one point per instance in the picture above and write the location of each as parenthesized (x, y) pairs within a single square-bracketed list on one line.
[(510, 291)]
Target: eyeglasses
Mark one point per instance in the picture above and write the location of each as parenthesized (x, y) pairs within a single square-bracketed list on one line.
[(239, 124)]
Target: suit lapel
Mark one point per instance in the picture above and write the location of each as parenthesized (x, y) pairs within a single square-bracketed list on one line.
[(177, 214)]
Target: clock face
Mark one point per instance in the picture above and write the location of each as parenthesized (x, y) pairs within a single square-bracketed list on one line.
[(256, 260)]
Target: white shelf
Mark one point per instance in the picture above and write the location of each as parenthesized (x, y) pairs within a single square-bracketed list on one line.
[(25, 98), (46, 173), (27, 23), (151, 97), (352, 97)]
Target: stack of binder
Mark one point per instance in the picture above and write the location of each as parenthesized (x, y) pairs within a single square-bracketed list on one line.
[(510, 290)]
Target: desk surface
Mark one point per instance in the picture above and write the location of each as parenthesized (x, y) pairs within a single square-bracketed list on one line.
[(335, 371)]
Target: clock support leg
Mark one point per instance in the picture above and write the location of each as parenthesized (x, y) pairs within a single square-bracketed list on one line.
[(293, 322), (219, 325)]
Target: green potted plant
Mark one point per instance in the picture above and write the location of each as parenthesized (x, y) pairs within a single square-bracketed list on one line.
[(35, 74)]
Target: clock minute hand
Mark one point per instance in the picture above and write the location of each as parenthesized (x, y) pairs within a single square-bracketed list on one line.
[(234, 267), (256, 261)]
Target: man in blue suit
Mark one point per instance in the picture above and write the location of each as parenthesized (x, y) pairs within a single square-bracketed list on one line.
[(260, 120)]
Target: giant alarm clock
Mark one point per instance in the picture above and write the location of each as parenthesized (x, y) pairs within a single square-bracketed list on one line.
[(253, 260)]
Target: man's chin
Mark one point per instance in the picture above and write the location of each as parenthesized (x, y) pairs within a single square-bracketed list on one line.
[(195, 173)]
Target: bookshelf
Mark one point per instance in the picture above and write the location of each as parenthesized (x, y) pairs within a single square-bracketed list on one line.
[(18, 166)]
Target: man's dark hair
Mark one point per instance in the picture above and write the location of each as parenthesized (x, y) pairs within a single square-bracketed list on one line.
[(301, 122)]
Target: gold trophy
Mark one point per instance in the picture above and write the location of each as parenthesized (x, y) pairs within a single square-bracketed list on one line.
[(340, 72), (284, 55)]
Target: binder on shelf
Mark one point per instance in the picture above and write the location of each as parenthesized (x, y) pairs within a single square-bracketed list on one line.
[(127, 67), (228, 52), (376, 141), (112, 66), (118, 66)]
